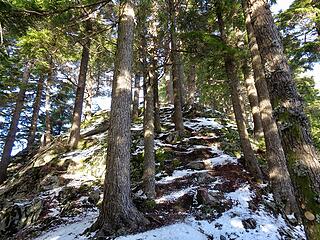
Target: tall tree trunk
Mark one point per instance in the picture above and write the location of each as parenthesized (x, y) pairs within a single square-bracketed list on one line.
[(78, 104), (168, 75), (192, 85), (136, 92), (253, 100), (36, 108), (302, 160), (180, 67), (157, 125), (118, 212), (278, 172), (148, 132), (238, 108), (47, 134), (88, 98), (176, 77), (11, 135)]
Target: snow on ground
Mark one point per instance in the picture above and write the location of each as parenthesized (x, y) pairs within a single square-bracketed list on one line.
[(230, 225), (178, 231), (220, 160), (73, 229), (198, 123), (79, 155), (178, 174), (175, 195)]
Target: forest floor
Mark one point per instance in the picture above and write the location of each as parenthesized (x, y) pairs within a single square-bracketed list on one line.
[(203, 191)]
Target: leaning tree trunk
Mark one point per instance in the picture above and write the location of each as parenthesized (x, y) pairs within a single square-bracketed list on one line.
[(302, 159), (36, 108), (78, 104), (176, 76), (118, 214), (253, 100), (238, 108), (11, 135), (282, 187), (136, 92)]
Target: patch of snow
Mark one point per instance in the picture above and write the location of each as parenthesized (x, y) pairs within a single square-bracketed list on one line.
[(53, 212), (221, 160), (229, 225), (72, 230), (79, 155), (178, 231), (198, 123), (137, 127), (77, 179), (159, 143), (174, 195), (177, 174)]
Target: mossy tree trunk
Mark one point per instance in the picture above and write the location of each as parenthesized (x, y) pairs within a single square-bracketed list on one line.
[(11, 135), (302, 159), (238, 108), (278, 172), (118, 213)]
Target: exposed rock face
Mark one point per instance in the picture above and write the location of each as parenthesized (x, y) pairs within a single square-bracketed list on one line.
[(17, 215)]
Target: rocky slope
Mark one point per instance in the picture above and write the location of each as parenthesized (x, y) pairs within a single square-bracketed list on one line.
[(203, 190)]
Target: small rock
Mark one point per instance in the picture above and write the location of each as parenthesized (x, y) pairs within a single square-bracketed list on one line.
[(197, 165), (209, 198), (205, 177), (249, 223), (222, 237)]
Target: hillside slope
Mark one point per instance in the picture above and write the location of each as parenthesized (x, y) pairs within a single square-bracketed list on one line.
[(203, 191)]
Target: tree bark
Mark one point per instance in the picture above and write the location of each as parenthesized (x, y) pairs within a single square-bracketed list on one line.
[(157, 125), (77, 110), (238, 108), (192, 85), (278, 172), (176, 76), (9, 143), (168, 75), (47, 134), (302, 160), (88, 98), (36, 108), (118, 212), (253, 100), (136, 92), (148, 133)]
